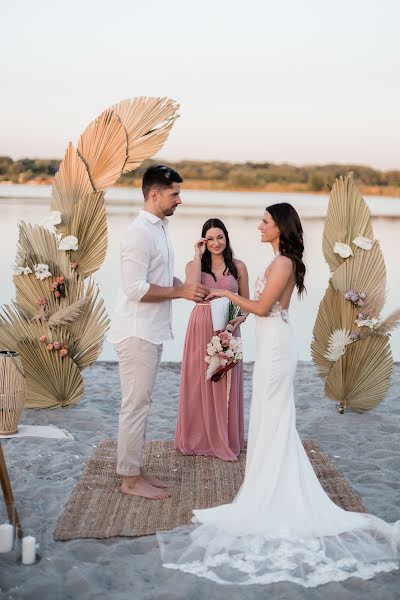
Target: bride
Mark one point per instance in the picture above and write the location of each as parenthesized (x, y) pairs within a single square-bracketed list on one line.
[(281, 526)]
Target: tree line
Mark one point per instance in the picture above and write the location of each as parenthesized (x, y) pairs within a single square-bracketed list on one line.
[(225, 175)]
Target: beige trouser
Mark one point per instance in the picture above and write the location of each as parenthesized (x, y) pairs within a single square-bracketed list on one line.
[(138, 365)]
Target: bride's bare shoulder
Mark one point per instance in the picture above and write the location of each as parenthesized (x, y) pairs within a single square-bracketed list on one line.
[(278, 265), (283, 261)]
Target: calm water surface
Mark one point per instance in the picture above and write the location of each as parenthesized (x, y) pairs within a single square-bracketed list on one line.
[(241, 213)]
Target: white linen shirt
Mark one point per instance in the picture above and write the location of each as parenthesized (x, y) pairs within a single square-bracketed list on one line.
[(147, 257)]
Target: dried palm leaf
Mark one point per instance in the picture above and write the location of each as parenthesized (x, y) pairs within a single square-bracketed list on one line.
[(390, 323), (66, 316), (103, 146), (88, 331), (334, 313), (51, 380), (71, 183), (361, 377), (89, 224), (148, 122), (366, 273), (347, 217), (38, 245)]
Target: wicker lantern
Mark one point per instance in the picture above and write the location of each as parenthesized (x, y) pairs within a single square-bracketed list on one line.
[(12, 391)]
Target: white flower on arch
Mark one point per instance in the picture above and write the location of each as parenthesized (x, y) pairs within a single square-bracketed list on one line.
[(70, 242), (42, 271), (343, 250), (53, 218), (363, 242), (338, 340)]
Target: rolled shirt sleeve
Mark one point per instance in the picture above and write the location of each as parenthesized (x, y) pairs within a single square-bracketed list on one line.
[(135, 259)]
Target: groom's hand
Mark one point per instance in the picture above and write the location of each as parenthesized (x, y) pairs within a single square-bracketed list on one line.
[(194, 291)]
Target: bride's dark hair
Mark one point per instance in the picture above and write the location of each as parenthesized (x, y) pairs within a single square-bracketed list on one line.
[(290, 239), (230, 266)]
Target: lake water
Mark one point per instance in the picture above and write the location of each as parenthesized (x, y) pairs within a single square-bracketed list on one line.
[(241, 212)]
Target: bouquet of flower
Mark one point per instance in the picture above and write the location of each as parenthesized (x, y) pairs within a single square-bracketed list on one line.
[(223, 352)]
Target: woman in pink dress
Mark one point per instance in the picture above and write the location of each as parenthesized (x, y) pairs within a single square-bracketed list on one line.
[(208, 424)]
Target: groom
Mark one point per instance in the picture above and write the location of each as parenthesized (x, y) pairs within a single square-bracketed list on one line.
[(142, 321)]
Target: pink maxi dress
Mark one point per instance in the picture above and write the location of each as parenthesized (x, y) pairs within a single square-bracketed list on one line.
[(206, 424)]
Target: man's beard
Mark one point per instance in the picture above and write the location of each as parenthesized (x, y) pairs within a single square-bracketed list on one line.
[(169, 211)]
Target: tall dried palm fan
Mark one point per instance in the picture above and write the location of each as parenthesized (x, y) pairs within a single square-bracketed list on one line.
[(350, 345), (58, 320)]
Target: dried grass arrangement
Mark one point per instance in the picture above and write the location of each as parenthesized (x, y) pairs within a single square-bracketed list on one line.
[(350, 345), (58, 320)]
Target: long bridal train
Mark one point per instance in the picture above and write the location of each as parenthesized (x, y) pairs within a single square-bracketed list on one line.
[(281, 526)]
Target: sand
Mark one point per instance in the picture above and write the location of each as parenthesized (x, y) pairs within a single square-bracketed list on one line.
[(365, 447)]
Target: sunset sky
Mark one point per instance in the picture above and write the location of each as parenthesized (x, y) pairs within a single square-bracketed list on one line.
[(299, 81)]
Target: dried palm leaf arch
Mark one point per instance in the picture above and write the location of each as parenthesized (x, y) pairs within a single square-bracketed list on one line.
[(58, 320), (350, 344)]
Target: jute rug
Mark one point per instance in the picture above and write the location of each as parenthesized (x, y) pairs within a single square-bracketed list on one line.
[(96, 508)]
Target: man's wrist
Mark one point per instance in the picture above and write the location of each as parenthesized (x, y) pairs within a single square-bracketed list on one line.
[(177, 291)]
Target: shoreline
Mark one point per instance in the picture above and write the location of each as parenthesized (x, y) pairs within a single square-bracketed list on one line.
[(215, 185)]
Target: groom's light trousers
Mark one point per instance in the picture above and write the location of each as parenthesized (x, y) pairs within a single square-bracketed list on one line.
[(138, 364)]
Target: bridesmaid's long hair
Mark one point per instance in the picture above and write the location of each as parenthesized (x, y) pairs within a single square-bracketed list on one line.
[(290, 239), (206, 265)]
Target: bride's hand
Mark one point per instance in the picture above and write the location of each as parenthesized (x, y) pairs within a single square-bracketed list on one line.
[(234, 323), (215, 293)]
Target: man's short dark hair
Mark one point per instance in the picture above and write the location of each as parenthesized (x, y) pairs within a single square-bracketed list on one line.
[(159, 176)]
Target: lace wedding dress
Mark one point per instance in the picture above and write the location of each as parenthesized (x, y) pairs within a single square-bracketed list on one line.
[(281, 526)]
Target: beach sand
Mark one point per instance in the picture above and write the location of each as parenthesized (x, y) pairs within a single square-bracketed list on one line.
[(365, 447)]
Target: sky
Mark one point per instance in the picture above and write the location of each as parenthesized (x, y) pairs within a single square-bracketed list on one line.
[(298, 81)]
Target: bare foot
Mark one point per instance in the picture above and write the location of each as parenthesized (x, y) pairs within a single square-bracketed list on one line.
[(155, 482), (141, 487)]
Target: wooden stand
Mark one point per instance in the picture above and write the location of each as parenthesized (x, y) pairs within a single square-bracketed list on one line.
[(8, 495)]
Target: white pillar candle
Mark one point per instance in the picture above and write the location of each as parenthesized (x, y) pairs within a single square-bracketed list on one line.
[(6, 537), (28, 550)]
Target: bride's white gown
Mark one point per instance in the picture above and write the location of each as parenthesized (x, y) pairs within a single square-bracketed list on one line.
[(281, 526)]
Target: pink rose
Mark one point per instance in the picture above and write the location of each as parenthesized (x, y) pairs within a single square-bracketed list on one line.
[(60, 279), (43, 339), (56, 345), (50, 347), (63, 352), (57, 294)]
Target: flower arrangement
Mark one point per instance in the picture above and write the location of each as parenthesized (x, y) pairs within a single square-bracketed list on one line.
[(224, 351), (356, 298), (351, 349), (72, 242), (61, 348), (42, 271), (363, 321), (58, 287)]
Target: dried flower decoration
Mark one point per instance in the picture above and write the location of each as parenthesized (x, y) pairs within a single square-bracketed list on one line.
[(22, 271), (42, 271), (363, 242), (356, 298), (343, 250), (338, 340), (70, 242)]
